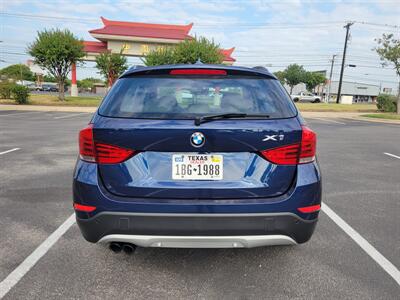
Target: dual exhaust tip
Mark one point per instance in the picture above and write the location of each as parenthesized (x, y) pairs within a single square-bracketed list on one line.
[(126, 247)]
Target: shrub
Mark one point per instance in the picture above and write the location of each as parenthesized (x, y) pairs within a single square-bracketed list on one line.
[(20, 93), (199, 48), (5, 89), (386, 103), (161, 56), (187, 52)]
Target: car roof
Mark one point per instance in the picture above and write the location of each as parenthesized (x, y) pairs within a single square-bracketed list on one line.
[(260, 71)]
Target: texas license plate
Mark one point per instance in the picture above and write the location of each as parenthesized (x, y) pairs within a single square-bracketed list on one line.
[(197, 167)]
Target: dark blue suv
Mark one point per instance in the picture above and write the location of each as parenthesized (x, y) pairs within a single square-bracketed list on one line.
[(197, 156)]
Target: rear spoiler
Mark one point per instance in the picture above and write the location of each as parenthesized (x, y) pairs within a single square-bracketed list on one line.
[(187, 70)]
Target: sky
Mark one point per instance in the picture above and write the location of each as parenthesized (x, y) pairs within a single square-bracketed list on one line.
[(269, 33)]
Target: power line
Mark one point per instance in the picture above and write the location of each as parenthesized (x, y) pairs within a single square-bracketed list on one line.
[(307, 62), (92, 20), (366, 79), (377, 24)]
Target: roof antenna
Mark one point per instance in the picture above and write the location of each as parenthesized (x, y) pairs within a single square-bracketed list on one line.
[(199, 62)]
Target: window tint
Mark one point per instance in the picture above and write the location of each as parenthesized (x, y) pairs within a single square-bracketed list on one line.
[(185, 98)]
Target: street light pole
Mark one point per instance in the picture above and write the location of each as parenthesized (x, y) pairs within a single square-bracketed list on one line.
[(330, 78), (343, 61)]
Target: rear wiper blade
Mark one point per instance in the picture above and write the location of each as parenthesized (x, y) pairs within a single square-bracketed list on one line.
[(203, 119)]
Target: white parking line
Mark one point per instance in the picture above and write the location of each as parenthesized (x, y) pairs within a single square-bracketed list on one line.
[(15, 276), (22, 113), (8, 151), (363, 243), (327, 120), (69, 116), (392, 155)]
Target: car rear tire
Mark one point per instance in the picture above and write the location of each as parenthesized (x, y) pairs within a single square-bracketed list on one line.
[(296, 99)]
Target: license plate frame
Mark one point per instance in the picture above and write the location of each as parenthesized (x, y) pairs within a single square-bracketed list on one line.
[(188, 166)]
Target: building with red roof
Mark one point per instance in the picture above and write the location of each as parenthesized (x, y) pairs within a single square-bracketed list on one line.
[(136, 39)]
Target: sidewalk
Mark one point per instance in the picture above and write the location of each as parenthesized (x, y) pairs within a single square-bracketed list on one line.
[(305, 114)]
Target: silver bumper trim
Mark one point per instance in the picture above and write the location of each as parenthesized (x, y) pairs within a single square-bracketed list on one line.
[(248, 241)]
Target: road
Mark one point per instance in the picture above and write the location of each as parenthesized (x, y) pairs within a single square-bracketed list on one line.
[(361, 185)]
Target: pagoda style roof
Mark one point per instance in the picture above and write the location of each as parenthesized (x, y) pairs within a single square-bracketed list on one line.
[(94, 47), (227, 54), (143, 30)]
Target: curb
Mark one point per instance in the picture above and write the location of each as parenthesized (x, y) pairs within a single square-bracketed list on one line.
[(88, 109), (376, 120)]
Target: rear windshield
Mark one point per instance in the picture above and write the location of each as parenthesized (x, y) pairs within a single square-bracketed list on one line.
[(189, 97)]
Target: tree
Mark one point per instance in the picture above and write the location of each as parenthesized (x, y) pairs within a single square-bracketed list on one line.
[(294, 74), (56, 50), (18, 72), (389, 52), (281, 76), (111, 66), (87, 83), (160, 56), (187, 52), (47, 78), (313, 79)]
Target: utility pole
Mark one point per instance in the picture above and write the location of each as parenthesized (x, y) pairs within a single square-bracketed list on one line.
[(330, 78), (20, 73), (343, 61)]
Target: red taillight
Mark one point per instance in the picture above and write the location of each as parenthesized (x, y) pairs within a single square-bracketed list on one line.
[(300, 153), (86, 144), (91, 151), (197, 72), (308, 145), (286, 155), (309, 209), (84, 208), (109, 154)]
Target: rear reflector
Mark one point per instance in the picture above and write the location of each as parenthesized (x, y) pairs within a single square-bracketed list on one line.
[(84, 208), (197, 72), (309, 209), (294, 154), (101, 153)]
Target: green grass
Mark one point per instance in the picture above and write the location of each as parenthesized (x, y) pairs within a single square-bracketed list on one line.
[(40, 99), (333, 107), (389, 116), (37, 99)]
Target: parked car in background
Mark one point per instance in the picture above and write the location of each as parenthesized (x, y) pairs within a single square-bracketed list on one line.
[(49, 88), (197, 156), (306, 97), (33, 87)]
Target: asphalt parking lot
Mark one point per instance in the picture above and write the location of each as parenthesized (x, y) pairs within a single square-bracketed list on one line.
[(361, 186)]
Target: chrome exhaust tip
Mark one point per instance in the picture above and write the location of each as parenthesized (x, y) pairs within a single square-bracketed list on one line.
[(115, 247), (129, 248)]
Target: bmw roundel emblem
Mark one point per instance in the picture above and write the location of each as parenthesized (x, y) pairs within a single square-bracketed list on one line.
[(197, 139)]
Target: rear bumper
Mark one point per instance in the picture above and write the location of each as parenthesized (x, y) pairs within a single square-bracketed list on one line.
[(197, 230), (249, 241), (245, 222)]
